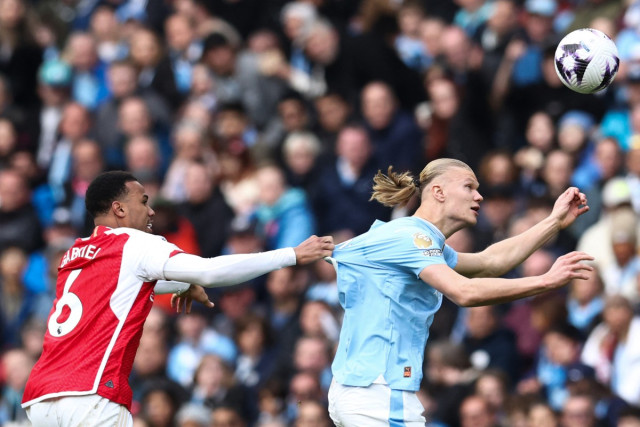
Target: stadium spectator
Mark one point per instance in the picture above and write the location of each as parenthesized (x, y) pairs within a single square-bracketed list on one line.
[(300, 152), (585, 302), (578, 411), (620, 277), (195, 339), (21, 55), (122, 83), (16, 365), (488, 344), (616, 196), (89, 81), (333, 112), (541, 414), (312, 414), (226, 416), (283, 213), (19, 223), (189, 146), (609, 352), (142, 158), (449, 376), (153, 66), (206, 209), (341, 195), (476, 412), (255, 361), (393, 133), (493, 386)]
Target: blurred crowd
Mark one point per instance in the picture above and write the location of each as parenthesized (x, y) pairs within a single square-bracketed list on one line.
[(253, 124)]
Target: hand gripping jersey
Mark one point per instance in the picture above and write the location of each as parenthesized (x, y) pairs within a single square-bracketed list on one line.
[(104, 293)]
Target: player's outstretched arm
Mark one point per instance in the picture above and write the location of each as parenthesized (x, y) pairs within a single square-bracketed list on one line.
[(229, 270), (503, 256), (484, 291)]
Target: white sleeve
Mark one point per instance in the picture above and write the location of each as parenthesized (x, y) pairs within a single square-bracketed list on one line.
[(169, 287), (227, 269)]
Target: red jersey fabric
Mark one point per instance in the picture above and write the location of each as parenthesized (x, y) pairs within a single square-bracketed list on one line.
[(104, 293)]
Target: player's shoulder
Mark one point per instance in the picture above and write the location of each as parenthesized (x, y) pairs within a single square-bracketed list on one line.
[(410, 225)]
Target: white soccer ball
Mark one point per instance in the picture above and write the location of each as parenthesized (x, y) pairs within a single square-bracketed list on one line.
[(587, 60)]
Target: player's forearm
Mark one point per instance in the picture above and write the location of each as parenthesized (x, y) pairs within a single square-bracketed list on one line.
[(227, 269), (486, 291), (169, 287), (509, 253)]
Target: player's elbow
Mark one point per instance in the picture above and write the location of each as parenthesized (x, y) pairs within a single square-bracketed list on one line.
[(466, 297), (465, 302)]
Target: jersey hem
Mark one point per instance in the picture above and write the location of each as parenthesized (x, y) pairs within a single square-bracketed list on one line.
[(59, 394)]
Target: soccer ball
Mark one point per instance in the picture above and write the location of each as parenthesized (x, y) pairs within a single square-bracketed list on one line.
[(586, 60)]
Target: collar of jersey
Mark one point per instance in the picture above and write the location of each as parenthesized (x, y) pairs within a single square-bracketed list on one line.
[(431, 227), (100, 229)]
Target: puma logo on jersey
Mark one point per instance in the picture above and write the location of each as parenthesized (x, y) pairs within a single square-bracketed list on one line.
[(151, 297), (88, 252)]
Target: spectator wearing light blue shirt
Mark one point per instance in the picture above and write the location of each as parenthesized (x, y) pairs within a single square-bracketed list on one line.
[(391, 280)]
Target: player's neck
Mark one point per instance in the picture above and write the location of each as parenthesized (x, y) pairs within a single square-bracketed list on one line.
[(436, 217), (106, 221)]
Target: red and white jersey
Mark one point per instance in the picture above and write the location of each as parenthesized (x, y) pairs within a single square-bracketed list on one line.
[(104, 293)]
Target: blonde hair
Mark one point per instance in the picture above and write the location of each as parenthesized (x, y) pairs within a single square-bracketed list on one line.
[(397, 189)]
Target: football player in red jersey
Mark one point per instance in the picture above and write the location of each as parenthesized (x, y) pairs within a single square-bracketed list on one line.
[(104, 293)]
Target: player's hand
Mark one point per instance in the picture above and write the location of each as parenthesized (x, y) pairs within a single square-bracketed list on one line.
[(567, 268), (569, 206), (313, 249), (184, 301)]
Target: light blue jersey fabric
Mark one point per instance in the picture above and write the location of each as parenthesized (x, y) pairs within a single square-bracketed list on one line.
[(388, 309)]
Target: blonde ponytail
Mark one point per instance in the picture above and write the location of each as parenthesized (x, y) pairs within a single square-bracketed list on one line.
[(396, 189), (393, 189)]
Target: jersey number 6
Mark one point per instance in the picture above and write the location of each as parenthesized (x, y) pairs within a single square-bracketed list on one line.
[(64, 321)]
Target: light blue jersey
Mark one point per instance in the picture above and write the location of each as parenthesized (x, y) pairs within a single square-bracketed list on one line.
[(388, 309)]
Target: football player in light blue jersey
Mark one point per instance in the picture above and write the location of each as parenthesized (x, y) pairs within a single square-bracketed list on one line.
[(391, 280)]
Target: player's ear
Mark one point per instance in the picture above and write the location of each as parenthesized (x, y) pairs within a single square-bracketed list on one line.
[(437, 193), (118, 209)]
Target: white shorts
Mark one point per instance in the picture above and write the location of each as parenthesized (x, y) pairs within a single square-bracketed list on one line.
[(91, 411), (373, 406)]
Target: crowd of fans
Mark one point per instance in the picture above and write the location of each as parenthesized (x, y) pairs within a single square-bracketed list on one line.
[(253, 124)]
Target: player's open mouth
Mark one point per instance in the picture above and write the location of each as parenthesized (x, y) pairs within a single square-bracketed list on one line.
[(149, 225), (476, 209)]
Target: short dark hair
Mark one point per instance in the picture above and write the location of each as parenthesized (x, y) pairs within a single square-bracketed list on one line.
[(106, 188)]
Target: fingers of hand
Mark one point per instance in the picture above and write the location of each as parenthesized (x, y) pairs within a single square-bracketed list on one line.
[(577, 256), (328, 246), (583, 198)]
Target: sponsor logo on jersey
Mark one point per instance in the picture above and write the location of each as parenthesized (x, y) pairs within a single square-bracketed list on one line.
[(407, 371)]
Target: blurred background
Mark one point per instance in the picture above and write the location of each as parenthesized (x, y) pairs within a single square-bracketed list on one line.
[(256, 123)]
